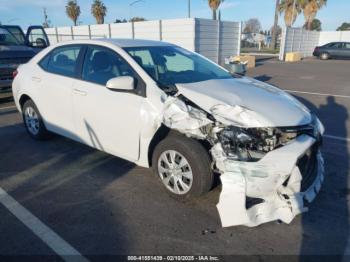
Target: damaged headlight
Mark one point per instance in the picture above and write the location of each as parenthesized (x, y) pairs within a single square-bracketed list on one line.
[(251, 144)]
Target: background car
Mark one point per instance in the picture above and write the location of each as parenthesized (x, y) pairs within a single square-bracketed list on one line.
[(333, 50), (17, 48)]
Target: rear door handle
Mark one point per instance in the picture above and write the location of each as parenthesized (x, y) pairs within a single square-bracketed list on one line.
[(79, 92), (36, 79)]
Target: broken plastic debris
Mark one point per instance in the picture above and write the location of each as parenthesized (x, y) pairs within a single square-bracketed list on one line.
[(263, 179), (183, 118)]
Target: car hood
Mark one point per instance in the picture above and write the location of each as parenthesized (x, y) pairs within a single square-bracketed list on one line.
[(246, 102)]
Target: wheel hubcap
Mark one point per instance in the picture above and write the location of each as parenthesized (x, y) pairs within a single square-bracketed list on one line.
[(32, 120), (175, 172)]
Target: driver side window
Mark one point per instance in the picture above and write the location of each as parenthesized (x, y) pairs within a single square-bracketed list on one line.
[(37, 38), (102, 64)]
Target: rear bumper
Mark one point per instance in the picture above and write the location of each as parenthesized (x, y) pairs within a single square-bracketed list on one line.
[(6, 76), (4, 84), (283, 182)]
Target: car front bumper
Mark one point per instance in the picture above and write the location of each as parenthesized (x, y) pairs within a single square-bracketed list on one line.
[(281, 183)]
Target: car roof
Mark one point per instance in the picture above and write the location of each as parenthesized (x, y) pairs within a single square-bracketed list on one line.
[(132, 42)]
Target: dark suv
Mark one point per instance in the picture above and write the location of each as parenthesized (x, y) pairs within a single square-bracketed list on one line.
[(17, 48), (333, 50)]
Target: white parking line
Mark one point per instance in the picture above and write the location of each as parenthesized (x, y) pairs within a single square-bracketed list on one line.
[(312, 93), (8, 107), (337, 138), (50, 238)]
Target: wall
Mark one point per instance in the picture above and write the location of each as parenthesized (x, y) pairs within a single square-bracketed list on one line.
[(217, 39), (213, 39), (333, 36), (298, 40), (303, 41)]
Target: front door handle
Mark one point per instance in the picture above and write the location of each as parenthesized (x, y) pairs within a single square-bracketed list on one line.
[(36, 79), (79, 92)]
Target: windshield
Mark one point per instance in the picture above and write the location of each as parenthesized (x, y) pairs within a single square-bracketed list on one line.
[(169, 65), (6, 38)]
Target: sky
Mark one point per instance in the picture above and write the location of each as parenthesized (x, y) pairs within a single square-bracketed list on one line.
[(30, 12)]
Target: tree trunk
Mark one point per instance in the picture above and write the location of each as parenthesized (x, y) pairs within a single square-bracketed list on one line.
[(275, 24), (214, 14), (309, 25)]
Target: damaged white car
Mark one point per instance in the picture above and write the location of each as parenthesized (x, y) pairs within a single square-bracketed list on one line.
[(161, 106)]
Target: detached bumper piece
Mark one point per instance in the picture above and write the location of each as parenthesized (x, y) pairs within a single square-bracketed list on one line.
[(278, 187)]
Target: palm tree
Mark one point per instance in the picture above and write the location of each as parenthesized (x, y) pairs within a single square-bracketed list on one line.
[(73, 10), (291, 9), (214, 5), (310, 9), (99, 11)]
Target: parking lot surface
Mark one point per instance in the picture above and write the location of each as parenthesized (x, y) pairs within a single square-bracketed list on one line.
[(98, 204)]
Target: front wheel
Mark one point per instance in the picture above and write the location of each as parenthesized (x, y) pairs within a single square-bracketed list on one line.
[(182, 165), (33, 121)]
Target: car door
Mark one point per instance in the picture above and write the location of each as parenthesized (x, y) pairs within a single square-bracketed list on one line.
[(346, 51), (106, 119), (56, 80), (335, 49), (36, 38)]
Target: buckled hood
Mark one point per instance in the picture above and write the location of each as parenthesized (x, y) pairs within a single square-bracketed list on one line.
[(246, 102)]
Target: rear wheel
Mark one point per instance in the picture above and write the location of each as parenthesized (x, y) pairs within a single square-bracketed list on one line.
[(324, 56), (33, 121), (182, 165)]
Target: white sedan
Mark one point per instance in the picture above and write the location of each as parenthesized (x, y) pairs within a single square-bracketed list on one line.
[(161, 106)]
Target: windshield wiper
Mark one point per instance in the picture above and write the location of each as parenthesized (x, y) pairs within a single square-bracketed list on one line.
[(169, 89)]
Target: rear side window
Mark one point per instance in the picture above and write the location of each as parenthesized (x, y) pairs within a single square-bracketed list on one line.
[(336, 45), (62, 61)]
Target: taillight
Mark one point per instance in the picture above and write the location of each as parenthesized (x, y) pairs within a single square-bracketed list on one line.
[(14, 73)]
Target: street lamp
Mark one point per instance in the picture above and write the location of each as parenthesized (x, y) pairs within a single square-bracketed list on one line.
[(11, 20), (132, 4), (189, 8)]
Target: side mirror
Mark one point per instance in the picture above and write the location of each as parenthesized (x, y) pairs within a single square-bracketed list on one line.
[(126, 83), (39, 42)]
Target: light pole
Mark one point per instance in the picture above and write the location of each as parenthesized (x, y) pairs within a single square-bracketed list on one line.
[(294, 3), (132, 4), (11, 20), (275, 25), (189, 8)]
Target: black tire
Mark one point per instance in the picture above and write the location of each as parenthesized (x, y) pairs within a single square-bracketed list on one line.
[(324, 56), (42, 133), (196, 156)]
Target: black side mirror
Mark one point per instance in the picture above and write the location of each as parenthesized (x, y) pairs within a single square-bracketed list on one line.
[(39, 42)]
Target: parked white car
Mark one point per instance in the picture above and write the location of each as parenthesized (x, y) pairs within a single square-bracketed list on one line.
[(161, 106)]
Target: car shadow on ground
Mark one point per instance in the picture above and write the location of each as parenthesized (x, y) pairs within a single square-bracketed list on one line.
[(335, 231), (325, 227)]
